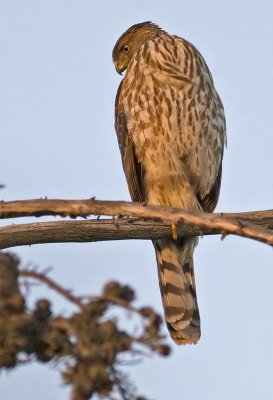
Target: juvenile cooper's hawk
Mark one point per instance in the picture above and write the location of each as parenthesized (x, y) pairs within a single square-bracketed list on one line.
[(171, 131)]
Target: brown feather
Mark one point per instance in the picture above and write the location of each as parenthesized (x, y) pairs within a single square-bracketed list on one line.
[(209, 201), (171, 128), (132, 167)]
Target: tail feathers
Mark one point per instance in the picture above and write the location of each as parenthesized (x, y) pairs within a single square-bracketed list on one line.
[(177, 285)]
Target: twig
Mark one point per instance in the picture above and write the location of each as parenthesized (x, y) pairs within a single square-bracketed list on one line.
[(145, 222), (51, 284)]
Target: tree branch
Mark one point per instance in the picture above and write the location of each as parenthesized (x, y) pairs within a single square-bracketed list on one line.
[(144, 222), (85, 208), (42, 277)]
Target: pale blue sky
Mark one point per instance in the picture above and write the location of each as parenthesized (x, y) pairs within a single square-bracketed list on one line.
[(58, 86)]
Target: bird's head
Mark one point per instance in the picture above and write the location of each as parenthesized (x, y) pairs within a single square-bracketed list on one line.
[(131, 40)]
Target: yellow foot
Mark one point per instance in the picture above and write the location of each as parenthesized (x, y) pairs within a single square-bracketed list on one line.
[(174, 231)]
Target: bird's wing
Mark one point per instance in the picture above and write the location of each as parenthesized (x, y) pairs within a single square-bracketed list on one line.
[(132, 167), (210, 199)]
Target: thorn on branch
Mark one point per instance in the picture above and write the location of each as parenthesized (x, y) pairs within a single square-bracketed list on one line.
[(115, 220), (224, 235)]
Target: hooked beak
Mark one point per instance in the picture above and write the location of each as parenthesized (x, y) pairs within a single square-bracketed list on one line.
[(119, 68), (120, 73)]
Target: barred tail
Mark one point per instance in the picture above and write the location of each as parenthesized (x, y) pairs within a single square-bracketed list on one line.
[(177, 285)]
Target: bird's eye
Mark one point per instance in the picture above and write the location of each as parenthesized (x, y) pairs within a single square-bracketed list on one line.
[(125, 48)]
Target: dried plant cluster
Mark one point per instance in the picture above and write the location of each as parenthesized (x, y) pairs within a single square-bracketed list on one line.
[(89, 346)]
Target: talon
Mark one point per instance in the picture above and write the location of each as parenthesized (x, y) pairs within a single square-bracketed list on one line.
[(174, 231)]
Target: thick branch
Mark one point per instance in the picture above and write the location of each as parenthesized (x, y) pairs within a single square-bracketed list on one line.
[(152, 222), (88, 231)]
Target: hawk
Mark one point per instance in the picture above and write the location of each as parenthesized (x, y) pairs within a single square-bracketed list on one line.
[(171, 132)]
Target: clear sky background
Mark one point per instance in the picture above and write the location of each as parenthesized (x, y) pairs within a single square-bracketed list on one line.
[(57, 90)]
